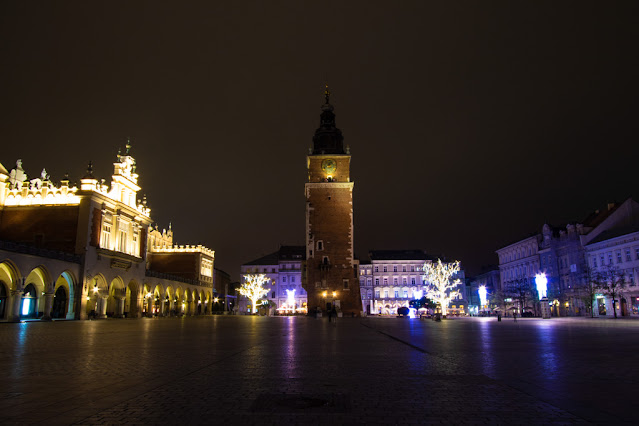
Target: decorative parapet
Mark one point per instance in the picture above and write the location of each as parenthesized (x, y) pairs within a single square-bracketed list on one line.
[(184, 249), (41, 193)]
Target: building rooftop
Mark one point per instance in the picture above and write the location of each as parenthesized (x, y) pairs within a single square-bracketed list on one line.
[(399, 255)]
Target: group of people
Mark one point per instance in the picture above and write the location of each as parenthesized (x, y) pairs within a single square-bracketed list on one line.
[(332, 315)]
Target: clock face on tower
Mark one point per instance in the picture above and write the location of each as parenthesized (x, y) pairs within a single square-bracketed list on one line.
[(329, 165)]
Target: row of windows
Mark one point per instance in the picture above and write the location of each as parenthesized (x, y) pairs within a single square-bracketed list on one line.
[(273, 270), (521, 271), (619, 256), (121, 243), (521, 253), (396, 268), (396, 294)]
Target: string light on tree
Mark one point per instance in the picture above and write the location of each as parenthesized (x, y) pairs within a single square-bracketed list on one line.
[(441, 286), (253, 289)]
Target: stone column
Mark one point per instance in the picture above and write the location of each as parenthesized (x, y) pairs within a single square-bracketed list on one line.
[(149, 306), (102, 302), (16, 298), (121, 303), (48, 304), (161, 313)]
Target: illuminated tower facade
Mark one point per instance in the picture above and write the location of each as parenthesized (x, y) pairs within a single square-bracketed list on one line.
[(331, 272)]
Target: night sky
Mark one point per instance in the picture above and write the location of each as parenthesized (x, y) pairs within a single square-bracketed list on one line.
[(470, 123)]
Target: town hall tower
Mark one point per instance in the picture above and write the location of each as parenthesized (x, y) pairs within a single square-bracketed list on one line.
[(331, 271)]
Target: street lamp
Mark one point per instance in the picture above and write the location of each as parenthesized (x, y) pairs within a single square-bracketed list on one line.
[(541, 281), (482, 296)]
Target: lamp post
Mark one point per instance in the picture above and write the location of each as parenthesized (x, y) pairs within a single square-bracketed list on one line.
[(482, 297), (541, 281)]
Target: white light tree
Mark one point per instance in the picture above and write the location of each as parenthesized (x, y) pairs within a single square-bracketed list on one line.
[(252, 288), (441, 286)]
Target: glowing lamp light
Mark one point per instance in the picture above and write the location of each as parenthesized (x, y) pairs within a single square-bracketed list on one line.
[(290, 297), (26, 303), (482, 295), (542, 284), (324, 294), (149, 295), (418, 294), (216, 300), (334, 293)]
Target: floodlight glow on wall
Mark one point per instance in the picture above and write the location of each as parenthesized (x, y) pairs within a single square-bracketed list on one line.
[(542, 284), (482, 295), (418, 294)]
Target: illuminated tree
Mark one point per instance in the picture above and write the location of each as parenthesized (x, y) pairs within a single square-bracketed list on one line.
[(441, 285), (252, 288)]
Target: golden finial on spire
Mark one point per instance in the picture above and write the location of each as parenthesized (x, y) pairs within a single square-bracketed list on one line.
[(327, 94)]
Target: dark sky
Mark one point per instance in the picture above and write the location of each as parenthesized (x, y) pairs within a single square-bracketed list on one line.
[(470, 123)]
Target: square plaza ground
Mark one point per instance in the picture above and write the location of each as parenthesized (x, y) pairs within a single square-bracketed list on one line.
[(299, 370)]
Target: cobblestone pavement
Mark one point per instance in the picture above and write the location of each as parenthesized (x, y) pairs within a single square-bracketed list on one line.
[(285, 370)]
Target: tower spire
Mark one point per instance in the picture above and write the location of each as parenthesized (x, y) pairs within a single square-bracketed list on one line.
[(328, 138)]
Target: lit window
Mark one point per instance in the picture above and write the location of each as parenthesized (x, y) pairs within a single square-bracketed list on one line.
[(122, 242), (396, 294), (404, 280), (376, 294), (395, 281), (376, 281), (405, 294), (385, 294)]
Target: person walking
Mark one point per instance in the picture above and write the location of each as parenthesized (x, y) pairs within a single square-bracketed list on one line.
[(330, 315), (334, 314)]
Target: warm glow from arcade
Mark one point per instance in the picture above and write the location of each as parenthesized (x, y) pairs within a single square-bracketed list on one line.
[(542, 284), (482, 295)]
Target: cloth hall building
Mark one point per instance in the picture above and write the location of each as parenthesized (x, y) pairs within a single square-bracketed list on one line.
[(89, 251)]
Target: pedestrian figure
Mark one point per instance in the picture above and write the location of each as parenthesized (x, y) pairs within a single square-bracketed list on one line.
[(330, 315), (499, 317), (515, 316), (334, 314)]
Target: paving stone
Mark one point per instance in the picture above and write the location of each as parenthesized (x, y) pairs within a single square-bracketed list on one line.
[(298, 370)]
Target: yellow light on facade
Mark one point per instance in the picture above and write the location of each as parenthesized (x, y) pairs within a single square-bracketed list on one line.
[(216, 300), (334, 293), (324, 294)]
